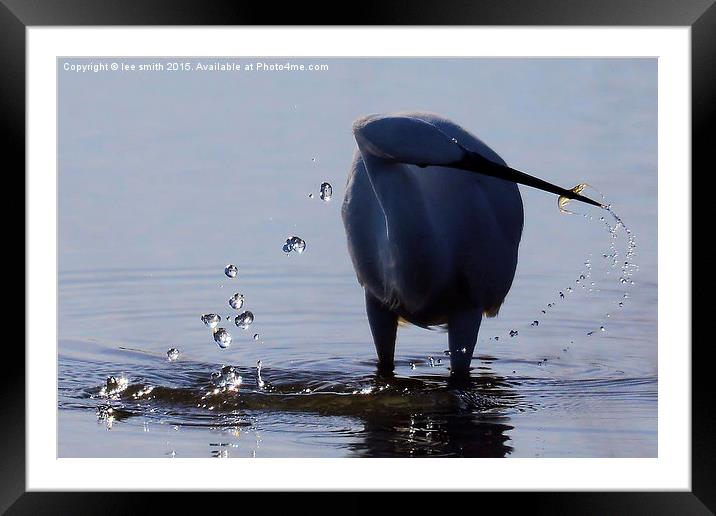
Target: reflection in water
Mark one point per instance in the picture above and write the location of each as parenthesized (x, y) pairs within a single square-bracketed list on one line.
[(466, 420), (434, 435)]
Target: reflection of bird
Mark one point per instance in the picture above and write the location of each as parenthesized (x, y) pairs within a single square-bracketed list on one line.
[(433, 218)]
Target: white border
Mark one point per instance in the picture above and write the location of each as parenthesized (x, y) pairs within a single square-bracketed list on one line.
[(672, 468)]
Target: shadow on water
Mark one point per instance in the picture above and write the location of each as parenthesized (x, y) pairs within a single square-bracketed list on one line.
[(390, 416)]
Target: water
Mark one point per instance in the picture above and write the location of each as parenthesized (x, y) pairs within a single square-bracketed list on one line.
[(309, 387)]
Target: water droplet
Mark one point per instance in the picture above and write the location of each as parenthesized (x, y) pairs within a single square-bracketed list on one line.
[(294, 244), (172, 354), (236, 301), (601, 328), (299, 245), (513, 333), (222, 338), (210, 320), (244, 319), (231, 271), (326, 191)]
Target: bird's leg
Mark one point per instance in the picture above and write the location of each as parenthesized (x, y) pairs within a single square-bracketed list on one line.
[(463, 325), (383, 326)]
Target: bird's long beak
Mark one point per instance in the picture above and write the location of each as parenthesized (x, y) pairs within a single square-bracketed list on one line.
[(474, 162)]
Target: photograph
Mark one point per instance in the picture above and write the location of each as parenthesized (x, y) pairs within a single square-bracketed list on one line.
[(357, 257)]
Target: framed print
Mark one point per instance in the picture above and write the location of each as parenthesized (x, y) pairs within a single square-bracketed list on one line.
[(443, 250)]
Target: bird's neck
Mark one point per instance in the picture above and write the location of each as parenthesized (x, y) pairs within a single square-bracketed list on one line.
[(409, 230)]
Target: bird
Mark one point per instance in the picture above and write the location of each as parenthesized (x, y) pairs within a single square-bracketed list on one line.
[(433, 219)]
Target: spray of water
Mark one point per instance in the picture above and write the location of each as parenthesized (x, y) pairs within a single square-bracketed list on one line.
[(619, 259)]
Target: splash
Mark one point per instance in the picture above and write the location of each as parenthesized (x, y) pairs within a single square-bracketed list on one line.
[(114, 386), (622, 266), (259, 381)]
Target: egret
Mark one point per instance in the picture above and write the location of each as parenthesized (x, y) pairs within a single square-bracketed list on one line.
[(433, 219)]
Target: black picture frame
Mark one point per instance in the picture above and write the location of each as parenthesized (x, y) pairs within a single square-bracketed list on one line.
[(17, 15)]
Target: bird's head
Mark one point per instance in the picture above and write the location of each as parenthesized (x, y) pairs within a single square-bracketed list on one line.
[(406, 139), (410, 140)]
